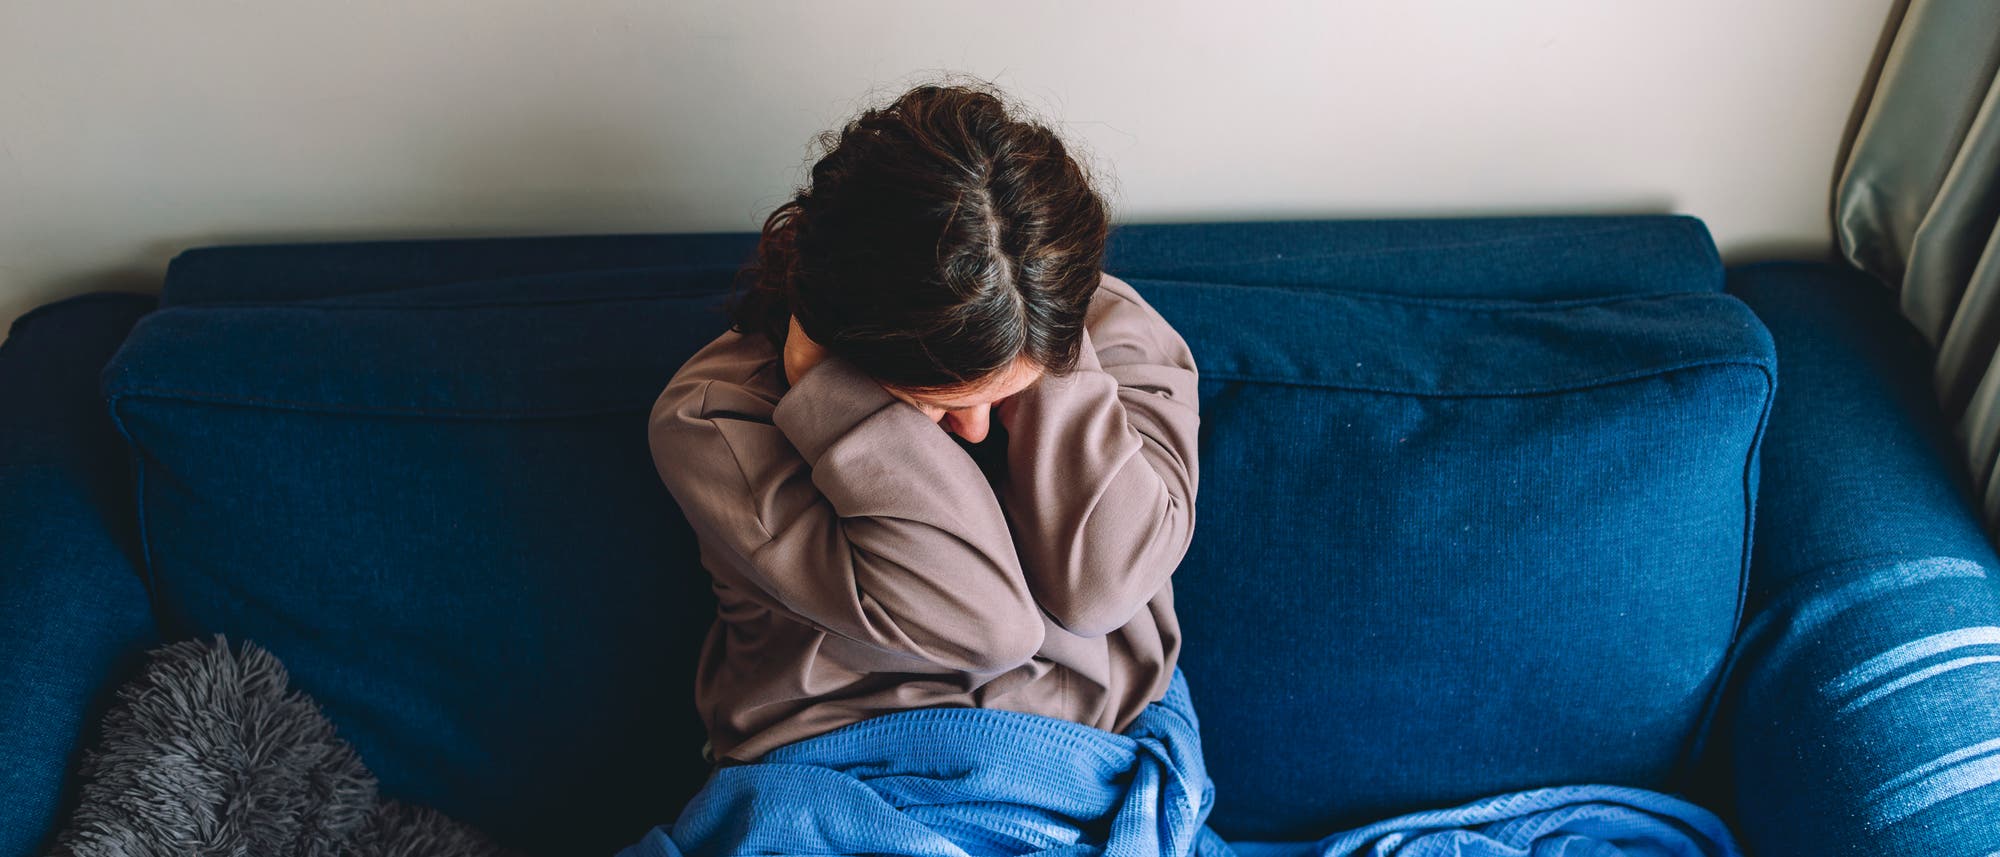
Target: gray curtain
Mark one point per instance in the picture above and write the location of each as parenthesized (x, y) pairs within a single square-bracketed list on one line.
[(1917, 204)]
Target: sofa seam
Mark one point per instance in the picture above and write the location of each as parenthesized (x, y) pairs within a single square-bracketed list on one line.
[(1682, 233), (1508, 393), (197, 397), (1459, 305), (1717, 696), (550, 276), (316, 303), (139, 519)]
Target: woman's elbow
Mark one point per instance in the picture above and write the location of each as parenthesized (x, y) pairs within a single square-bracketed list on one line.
[(1095, 616), (1004, 644), (1096, 604)]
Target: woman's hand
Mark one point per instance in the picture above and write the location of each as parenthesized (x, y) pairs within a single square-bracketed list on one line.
[(931, 412), (801, 353)]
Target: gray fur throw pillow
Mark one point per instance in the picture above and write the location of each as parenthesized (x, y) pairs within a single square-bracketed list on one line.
[(209, 751)]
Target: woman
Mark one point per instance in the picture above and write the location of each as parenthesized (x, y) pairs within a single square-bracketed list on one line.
[(888, 606), (939, 281)]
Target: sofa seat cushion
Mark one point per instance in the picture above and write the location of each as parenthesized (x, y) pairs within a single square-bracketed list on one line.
[(1445, 547)]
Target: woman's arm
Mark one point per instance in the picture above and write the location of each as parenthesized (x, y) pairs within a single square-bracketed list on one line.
[(1101, 467), (849, 509)]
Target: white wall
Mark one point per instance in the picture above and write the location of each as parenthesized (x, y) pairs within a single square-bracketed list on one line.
[(132, 129)]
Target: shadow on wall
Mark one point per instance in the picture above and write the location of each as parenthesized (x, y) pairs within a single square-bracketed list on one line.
[(1750, 252)]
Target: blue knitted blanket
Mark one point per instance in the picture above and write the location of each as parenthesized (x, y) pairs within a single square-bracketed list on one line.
[(964, 781)]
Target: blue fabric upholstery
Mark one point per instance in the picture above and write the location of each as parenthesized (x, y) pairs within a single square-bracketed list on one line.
[(430, 494), (73, 612), (1864, 712), (1452, 548), (445, 520), (265, 273), (1524, 258)]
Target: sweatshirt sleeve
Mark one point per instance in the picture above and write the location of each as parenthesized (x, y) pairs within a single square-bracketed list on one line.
[(848, 508), (1101, 467)]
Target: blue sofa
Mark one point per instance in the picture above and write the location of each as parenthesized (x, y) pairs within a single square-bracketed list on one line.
[(1487, 504)]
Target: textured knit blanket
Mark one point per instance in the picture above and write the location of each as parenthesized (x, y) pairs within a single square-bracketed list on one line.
[(955, 782)]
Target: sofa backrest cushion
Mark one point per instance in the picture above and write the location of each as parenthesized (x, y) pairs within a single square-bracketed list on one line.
[(1451, 548), (1445, 546), (444, 519)]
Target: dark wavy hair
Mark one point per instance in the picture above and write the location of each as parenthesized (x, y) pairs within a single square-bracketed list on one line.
[(942, 236)]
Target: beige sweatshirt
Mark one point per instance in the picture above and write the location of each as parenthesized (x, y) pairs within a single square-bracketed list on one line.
[(864, 564)]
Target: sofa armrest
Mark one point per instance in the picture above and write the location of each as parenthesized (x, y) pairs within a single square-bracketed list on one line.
[(73, 609), (1863, 710)]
